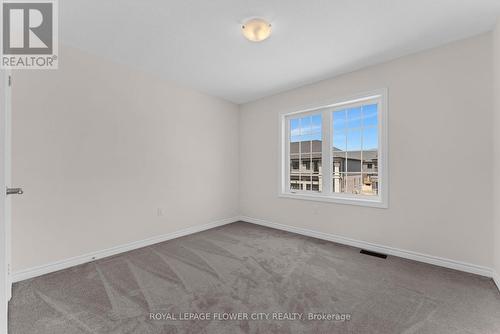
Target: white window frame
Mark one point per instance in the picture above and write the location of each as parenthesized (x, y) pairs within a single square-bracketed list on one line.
[(325, 109)]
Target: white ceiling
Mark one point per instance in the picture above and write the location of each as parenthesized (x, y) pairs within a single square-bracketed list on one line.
[(198, 42)]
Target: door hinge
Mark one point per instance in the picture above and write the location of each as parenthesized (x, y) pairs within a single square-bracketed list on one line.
[(8, 269), (10, 80)]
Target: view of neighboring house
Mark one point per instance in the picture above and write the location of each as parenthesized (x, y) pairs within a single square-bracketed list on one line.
[(354, 172)]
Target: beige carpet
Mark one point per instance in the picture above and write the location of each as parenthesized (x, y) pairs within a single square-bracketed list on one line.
[(274, 281)]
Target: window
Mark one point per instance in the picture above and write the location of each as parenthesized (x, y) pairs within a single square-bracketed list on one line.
[(337, 152)]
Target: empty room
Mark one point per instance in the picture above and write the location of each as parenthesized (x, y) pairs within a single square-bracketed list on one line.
[(228, 166)]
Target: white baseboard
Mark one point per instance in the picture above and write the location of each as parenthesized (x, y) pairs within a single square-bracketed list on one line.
[(74, 261), (438, 261)]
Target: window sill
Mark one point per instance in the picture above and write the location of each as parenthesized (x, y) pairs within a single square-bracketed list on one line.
[(369, 202)]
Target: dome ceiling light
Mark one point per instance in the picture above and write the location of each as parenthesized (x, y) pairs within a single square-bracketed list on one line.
[(256, 30)]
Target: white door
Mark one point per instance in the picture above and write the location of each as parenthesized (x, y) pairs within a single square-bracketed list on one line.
[(5, 120)]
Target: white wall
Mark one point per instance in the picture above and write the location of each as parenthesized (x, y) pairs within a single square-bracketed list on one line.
[(440, 104), (98, 147), (496, 133)]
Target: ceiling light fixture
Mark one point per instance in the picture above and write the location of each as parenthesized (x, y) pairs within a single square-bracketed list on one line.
[(256, 30)]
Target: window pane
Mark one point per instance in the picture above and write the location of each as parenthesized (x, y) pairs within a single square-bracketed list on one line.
[(339, 140), (354, 140), (370, 184), (370, 115), (316, 147), (305, 181), (317, 168), (370, 150), (370, 139), (338, 169), (295, 181), (306, 153), (339, 120), (370, 161), (354, 118), (339, 161), (305, 146), (355, 150), (316, 183), (305, 163), (305, 126), (294, 163), (316, 125), (294, 128), (352, 183), (353, 162), (337, 183)]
